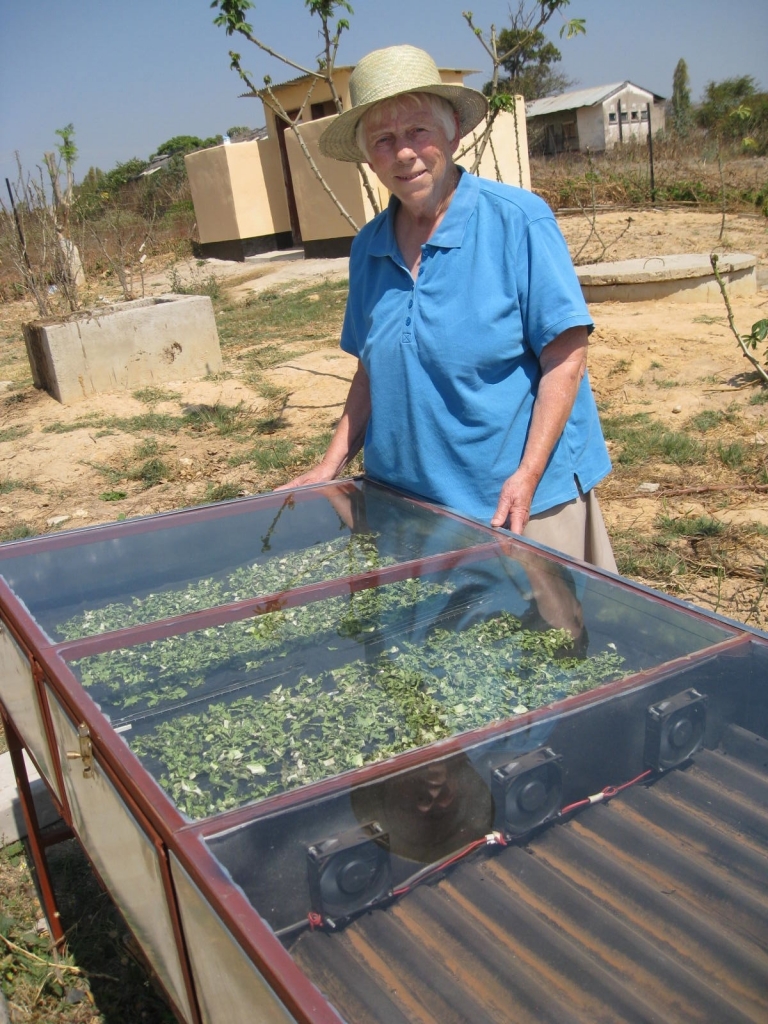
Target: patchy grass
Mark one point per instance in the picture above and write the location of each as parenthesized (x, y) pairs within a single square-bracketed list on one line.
[(225, 420), (222, 492), (153, 395), (9, 484), (693, 526), (97, 981), (705, 421), (14, 433), (16, 530), (642, 439)]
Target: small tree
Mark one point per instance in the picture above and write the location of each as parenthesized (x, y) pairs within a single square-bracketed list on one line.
[(531, 20), (69, 270), (529, 58), (231, 17), (682, 115)]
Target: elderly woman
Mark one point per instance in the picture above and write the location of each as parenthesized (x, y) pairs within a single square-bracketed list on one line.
[(468, 322)]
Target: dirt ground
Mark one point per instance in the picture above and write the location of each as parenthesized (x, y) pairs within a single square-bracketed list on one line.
[(670, 360)]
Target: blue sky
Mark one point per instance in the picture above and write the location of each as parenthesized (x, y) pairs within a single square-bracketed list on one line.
[(131, 74)]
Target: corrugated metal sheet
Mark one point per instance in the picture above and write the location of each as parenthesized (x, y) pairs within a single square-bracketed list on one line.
[(651, 908)]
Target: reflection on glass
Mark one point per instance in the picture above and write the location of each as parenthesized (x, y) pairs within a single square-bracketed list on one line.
[(216, 556), (430, 812)]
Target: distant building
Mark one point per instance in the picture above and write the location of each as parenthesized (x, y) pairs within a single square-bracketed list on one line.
[(595, 119)]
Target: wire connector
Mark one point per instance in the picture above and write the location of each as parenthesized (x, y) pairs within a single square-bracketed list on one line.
[(495, 839)]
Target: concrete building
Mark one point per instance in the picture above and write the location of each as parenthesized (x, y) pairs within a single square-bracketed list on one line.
[(595, 119), (262, 194)]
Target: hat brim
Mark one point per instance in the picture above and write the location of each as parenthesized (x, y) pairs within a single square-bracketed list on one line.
[(338, 140)]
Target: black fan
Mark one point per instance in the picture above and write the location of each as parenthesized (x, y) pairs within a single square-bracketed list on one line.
[(674, 729), (527, 792), (349, 871)]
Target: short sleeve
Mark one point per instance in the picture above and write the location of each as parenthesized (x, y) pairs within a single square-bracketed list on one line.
[(549, 292)]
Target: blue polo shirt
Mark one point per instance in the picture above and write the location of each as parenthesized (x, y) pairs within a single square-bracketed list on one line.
[(452, 358)]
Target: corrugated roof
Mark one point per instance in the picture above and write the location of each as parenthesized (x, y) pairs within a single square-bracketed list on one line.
[(653, 908), (580, 98)]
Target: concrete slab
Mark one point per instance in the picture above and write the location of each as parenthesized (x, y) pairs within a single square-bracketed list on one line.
[(124, 346), (12, 825), (686, 277)]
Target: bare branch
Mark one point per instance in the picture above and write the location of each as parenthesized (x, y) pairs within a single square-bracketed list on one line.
[(278, 108), (731, 323)]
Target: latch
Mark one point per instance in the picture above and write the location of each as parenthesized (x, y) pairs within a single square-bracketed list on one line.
[(86, 751)]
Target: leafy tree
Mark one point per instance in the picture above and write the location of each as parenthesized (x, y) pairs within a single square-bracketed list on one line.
[(231, 16), (185, 144), (681, 100), (237, 130), (529, 59), (725, 105)]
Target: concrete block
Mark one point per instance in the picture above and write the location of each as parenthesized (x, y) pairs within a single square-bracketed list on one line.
[(124, 346), (12, 825), (682, 278)]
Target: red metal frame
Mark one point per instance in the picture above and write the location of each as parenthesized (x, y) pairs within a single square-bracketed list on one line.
[(156, 815)]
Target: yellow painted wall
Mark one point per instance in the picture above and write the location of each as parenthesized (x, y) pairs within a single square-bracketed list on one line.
[(238, 191), (208, 174), (512, 159), (256, 181), (318, 215)]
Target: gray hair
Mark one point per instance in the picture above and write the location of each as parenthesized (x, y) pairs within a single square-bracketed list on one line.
[(442, 111)]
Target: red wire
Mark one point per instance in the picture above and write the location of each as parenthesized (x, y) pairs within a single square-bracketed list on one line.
[(604, 794), (435, 868), (493, 839)]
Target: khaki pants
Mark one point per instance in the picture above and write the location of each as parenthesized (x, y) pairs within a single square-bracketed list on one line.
[(577, 529)]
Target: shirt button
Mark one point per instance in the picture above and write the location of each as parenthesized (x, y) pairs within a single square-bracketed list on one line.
[(407, 321), (410, 304), (421, 270)]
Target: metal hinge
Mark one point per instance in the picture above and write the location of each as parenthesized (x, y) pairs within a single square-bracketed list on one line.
[(86, 751)]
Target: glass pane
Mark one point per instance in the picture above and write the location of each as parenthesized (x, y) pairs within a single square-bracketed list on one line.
[(112, 578), (243, 710), (228, 986), (340, 853), (19, 696)]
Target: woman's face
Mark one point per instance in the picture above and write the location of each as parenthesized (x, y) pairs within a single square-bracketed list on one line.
[(409, 151)]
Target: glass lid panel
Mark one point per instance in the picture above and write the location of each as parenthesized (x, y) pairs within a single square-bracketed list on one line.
[(176, 564), (680, 757), (243, 710)]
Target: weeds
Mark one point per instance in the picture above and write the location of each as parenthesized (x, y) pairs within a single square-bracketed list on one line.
[(705, 421), (642, 439), (96, 982), (222, 492), (225, 420), (153, 395), (150, 473), (732, 455), (17, 531), (14, 433), (8, 485), (697, 526), (197, 284)]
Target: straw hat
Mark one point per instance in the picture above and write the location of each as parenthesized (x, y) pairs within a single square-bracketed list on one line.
[(391, 72)]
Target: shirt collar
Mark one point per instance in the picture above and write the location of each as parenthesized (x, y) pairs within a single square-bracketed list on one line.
[(450, 232)]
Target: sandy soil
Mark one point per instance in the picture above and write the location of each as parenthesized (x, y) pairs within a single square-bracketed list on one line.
[(668, 359)]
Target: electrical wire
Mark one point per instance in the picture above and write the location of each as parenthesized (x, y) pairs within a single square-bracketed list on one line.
[(603, 795), (314, 920)]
